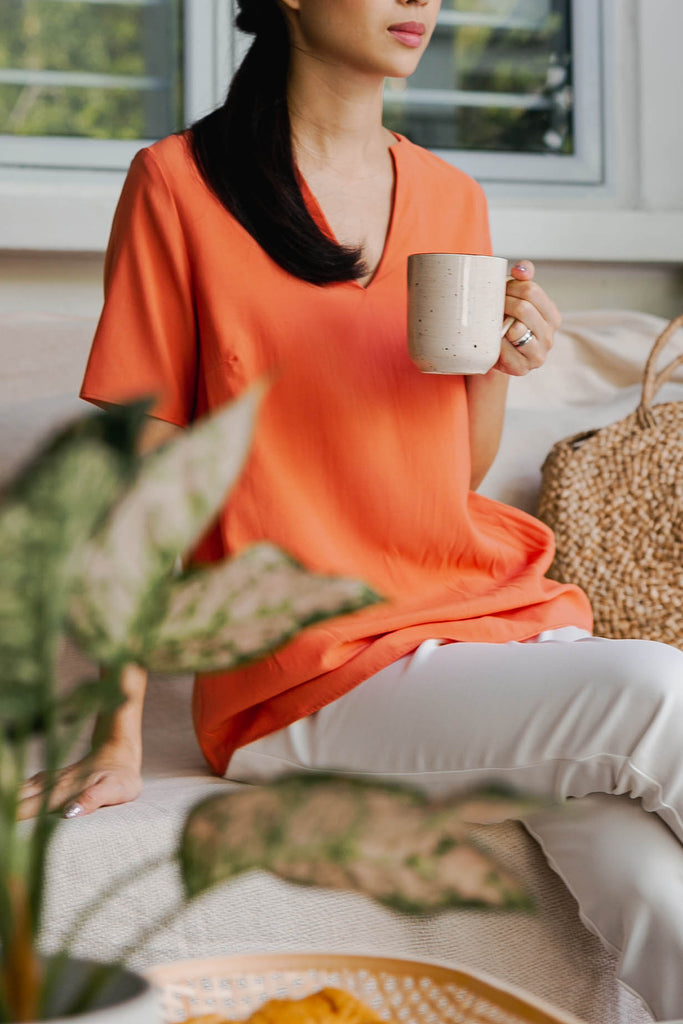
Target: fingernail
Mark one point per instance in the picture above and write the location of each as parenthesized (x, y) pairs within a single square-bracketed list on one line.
[(521, 266), (73, 810)]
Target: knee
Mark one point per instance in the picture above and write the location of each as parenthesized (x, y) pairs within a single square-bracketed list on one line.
[(653, 881), (623, 864), (625, 869), (637, 859), (648, 668)]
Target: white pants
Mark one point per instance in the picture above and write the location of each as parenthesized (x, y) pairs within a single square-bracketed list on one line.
[(590, 716)]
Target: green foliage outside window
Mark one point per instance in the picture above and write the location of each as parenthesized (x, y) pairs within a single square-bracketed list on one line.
[(526, 54), (505, 47), (130, 41)]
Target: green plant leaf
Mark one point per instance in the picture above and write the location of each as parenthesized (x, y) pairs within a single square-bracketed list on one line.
[(243, 608), (20, 711), (93, 696), (388, 842), (48, 511), (122, 589)]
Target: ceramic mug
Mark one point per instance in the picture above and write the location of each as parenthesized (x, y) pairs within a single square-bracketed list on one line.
[(455, 311)]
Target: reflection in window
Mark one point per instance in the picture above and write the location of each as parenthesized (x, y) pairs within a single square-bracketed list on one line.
[(496, 77), (91, 68)]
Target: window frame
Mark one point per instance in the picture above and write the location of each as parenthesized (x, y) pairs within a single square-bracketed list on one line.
[(206, 69), (587, 164), (634, 215)]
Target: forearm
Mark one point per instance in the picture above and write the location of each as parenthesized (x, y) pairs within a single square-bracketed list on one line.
[(486, 395), (121, 731)]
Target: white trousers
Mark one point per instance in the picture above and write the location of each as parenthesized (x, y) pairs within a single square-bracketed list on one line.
[(567, 715)]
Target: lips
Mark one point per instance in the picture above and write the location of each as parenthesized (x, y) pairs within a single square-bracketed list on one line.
[(408, 32)]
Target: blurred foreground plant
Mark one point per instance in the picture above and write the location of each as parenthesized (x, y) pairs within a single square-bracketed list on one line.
[(90, 540), (90, 535)]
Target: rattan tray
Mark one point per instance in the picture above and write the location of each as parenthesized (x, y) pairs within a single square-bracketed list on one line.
[(406, 991)]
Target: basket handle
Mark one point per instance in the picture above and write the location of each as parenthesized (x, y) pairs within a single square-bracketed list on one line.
[(653, 381)]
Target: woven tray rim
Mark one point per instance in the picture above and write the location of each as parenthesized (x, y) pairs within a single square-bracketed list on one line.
[(513, 999)]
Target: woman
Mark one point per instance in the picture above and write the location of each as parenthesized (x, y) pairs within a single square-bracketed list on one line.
[(274, 237)]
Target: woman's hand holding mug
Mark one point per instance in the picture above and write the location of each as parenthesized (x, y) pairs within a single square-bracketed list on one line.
[(456, 308)]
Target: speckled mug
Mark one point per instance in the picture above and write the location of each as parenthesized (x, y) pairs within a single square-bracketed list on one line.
[(455, 311)]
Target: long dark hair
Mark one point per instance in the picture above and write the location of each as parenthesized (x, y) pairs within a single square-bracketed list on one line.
[(244, 152)]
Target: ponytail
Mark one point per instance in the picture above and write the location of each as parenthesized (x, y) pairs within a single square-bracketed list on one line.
[(243, 150)]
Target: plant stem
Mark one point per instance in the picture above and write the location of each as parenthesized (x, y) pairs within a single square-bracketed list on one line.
[(99, 978), (58, 960), (11, 762), (20, 967), (45, 825), (22, 970)]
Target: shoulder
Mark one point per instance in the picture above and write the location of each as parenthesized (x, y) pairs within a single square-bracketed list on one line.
[(167, 164), (437, 171)]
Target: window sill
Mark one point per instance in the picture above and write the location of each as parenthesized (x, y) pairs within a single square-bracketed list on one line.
[(72, 213), (588, 235), (75, 215)]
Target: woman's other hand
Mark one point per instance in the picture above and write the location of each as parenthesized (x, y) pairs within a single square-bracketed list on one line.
[(533, 311), (109, 775)]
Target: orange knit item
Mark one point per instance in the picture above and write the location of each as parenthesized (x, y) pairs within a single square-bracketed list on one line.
[(360, 463)]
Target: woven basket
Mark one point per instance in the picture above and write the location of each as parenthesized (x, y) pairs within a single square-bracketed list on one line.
[(406, 991), (614, 498)]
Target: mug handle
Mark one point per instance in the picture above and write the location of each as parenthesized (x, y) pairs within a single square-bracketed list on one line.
[(509, 321), (507, 324)]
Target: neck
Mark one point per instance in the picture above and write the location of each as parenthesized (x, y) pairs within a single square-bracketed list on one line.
[(336, 119)]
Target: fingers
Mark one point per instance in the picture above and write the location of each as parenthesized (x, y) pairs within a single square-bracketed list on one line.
[(529, 304), (100, 794), (78, 792), (112, 788), (533, 310), (524, 270), (32, 794), (33, 786)]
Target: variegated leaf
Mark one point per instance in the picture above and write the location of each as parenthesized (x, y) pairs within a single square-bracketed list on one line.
[(47, 516), (122, 589), (387, 842), (498, 803), (244, 608)]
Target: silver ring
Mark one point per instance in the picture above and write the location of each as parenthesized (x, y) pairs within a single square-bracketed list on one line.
[(524, 340)]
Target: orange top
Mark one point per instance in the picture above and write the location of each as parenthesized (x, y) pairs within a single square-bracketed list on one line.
[(360, 464)]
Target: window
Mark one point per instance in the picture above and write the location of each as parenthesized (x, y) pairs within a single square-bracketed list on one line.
[(504, 90), (85, 83), (509, 89), (566, 111)]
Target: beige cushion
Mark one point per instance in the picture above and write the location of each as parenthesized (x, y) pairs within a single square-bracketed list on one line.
[(596, 354)]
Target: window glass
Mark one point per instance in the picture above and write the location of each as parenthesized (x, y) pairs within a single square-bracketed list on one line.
[(497, 77), (91, 68)]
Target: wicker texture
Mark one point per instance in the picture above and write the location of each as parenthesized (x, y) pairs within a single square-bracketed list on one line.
[(614, 498), (404, 991)]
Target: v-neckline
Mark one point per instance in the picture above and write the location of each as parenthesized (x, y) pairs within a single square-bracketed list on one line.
[(322, 222)]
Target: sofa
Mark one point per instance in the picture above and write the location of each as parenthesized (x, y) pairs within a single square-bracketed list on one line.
[(591, 378)]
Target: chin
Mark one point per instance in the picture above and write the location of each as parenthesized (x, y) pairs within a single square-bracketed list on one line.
[(401, 66), (403, 70), (404, 63)]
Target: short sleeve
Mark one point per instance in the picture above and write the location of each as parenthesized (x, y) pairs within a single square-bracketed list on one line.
[(146, 338)]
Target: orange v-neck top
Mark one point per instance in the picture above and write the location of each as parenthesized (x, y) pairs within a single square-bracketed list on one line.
[(360, 463)]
